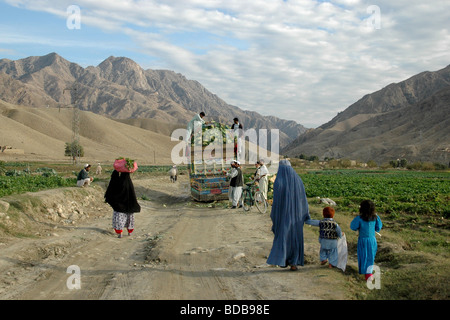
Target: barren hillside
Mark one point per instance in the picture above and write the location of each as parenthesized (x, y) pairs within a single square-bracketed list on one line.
[(43, 132)]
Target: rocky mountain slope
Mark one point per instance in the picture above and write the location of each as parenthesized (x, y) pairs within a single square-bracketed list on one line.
[(403, 120), (119, 88)]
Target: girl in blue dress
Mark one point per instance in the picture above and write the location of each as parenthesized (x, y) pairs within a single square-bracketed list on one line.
[(367, 223)]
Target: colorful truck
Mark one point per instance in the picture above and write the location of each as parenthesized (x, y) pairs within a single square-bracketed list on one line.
[(210, 160)]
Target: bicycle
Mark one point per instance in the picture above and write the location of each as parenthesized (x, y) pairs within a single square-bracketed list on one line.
[(251, 195)]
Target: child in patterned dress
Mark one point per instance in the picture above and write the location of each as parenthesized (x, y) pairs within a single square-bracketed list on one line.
[(329, 232)]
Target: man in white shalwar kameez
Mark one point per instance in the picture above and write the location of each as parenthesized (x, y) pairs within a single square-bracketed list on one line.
[(262, 178), (238, 133), (194, 126)]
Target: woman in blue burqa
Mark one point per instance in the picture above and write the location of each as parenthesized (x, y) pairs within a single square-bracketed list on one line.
[(289, 212)]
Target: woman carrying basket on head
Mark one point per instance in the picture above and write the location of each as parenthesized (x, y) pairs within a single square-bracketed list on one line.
[(120, 195)]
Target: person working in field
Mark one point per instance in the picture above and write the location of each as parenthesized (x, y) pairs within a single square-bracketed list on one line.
[(83, 179), (99, 169)]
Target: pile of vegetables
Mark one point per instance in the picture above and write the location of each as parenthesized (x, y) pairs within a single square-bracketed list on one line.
[(209, 134), (129, 163)]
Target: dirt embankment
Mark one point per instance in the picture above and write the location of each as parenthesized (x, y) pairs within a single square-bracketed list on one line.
[(179, 250)]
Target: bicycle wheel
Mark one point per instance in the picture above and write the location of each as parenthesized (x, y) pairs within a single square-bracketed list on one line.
[(246, 200), (260, 202)]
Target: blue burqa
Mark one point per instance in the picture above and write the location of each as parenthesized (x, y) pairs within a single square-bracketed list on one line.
[(289, 212)]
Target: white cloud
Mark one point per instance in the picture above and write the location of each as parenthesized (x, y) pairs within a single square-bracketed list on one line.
[(298, 59)]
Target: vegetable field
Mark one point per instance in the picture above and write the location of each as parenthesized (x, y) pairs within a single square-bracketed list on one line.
[(393, 192), (29, 183)]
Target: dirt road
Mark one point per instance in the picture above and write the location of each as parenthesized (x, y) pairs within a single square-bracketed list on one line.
[(180, 250)]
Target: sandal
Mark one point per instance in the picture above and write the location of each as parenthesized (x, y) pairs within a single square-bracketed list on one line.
[(294, 268)]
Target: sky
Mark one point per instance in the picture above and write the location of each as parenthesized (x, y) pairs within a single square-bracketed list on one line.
[(302, 60)]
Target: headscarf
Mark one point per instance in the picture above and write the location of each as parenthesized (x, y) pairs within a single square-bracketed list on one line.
[(289, 212), (289, 195), (120, 194)]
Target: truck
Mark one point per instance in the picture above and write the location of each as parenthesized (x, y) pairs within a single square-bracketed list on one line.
[(211, 152)]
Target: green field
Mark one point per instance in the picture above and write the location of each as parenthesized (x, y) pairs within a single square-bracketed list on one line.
[(17, 178), (394, 192), (21, 177)]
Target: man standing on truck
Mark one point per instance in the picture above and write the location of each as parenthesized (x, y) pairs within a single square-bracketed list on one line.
[(196, 121), (236, 184), (238, 133)]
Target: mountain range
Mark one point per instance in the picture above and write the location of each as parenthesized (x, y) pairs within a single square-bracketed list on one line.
[(406, 120), (119, 88)]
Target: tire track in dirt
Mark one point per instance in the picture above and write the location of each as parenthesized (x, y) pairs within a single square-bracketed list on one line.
[(182, 271)]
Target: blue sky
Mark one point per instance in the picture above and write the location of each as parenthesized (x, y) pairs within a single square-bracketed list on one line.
[(304, 60)]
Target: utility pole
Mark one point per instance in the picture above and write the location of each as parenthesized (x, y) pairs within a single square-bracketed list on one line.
[(75, 123)]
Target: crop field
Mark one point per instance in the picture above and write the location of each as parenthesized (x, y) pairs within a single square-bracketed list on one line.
[(22, 184), (17, 178), (393, 192)]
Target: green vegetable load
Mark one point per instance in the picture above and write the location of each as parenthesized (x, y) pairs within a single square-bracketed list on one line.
[(211, 132)]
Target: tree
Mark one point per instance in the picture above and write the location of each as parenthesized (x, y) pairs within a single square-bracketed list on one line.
[(346, 163), (403, 163), (73, 150), (372, 164)]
